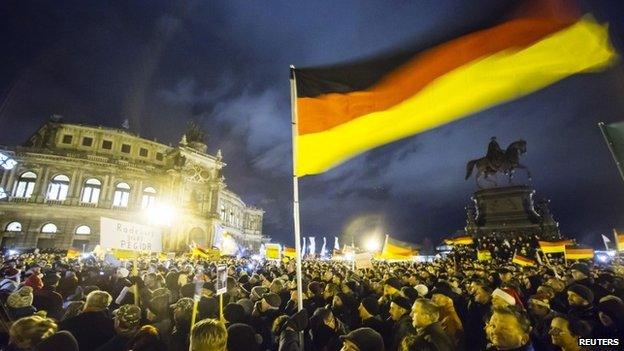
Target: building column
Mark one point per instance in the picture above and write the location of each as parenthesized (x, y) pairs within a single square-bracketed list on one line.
[(76, 180), (42, 185), (11, 181)]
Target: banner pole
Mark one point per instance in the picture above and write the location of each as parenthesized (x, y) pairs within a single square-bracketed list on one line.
[(605, 134), (294, 119)]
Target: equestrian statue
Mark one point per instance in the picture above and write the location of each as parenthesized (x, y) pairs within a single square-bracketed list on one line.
[(498, 161)]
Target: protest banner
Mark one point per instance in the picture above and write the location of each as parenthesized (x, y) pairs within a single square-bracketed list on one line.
[(116, 234)]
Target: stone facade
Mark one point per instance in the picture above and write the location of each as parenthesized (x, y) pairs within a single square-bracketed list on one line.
[(68, 176)]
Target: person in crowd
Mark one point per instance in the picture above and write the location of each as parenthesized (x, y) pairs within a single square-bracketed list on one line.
[(242, 337), (509, 329), (147, 338), (362, 339), (208, 335), (479, 311), (127, 320), (565, 332), (449, 320), (369, 315), (182, 315), (93, 327), (10, 282), (264, 314), (581, 302), (540, 315), (399, 323), (19, 303), (325, 330), (47, 299), (425, 316), (611, 316), (286, 330), (581, 275), (40, 334)]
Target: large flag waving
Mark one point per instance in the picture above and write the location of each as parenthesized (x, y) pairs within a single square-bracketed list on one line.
[(397, 250), (348, 109)]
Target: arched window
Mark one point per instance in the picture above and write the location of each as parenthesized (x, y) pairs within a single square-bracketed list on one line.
[(91, 191), (83, 230), (14, 227), (49, 228), (149, 197), (122, 195), (25, 185), (58, 188)]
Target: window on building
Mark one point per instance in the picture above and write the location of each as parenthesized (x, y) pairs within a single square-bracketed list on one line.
[(125, 148), (67, 139), (91, 191), (122, 195), (143, 152), (107, 144), (83, 230), (49, 228), (58, 188), (87, 141), (222, 212), (14, 227), (25, 185), (149, 197), (159, 156)]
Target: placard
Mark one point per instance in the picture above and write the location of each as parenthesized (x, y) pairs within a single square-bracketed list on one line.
[(272, 251), (363, 260), (116, 234), (221, 285)]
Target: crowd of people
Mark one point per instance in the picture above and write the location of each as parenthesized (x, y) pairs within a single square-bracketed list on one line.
[(52, 302)]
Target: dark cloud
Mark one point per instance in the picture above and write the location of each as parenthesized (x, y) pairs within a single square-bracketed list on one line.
[(225, 64)]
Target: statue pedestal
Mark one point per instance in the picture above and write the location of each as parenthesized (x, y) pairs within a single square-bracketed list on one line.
[(510, 210)]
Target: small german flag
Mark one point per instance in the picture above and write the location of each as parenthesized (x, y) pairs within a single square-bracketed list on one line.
[(579, 253), (619, 240), (344, 110), (460, 240), (523, 261), (554, 246)]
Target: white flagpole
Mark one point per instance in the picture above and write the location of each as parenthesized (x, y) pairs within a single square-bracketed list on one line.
[(294, 119)]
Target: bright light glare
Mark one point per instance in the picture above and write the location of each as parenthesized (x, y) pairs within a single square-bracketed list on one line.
[(12, 252), (349, 256), (611, 253), (228, 245), (256, 257), (372, 244), (86, 255), (160, 214), (602, 258)]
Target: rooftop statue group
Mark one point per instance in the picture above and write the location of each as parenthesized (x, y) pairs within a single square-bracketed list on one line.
[(498, 160)]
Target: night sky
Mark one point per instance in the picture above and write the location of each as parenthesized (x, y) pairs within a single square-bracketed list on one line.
[(225, 65)]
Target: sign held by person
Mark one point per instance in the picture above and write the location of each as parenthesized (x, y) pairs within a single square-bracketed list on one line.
[(116, 234)]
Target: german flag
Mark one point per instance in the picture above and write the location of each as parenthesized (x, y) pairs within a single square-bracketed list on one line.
[(578, 253), (72, 253), (619, 240), (523, 261), (460, 240), (289, 252), (396, 249), (344, 110), (553, 246)]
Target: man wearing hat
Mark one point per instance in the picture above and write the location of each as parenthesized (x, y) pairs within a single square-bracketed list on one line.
[(368, 310), (391, 288), (581, 275), (400, 323), (182, 314), (47, 299), (264, 314), (127, 319), (425, 319), (93, 327), (581, 301), (362, 339), (540, 315)]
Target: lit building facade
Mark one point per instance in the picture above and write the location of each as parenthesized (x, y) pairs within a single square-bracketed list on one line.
[(68, 176)]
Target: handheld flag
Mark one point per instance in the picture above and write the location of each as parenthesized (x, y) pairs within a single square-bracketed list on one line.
[(290, 252), (619, 240), (523, 261), (606, 242), (72, 253), (344, 110), (395, 249), (578, 253), (554, 246)]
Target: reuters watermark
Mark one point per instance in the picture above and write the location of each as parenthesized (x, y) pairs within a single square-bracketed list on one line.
[(598, 342)]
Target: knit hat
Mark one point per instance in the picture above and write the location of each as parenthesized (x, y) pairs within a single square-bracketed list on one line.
[(185, 304), (23, 297), (410, 293), (582, 291), (128, 315), (272, 299), (299, 320), (422, 290), (242, 337), (402, 302), (257, 292), (371, 305), (505, 296), (581, 267), (366, 339), (234, 313), (443, 287), (394, 282)]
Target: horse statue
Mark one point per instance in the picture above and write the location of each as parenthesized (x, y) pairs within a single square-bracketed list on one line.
[(497, 160)]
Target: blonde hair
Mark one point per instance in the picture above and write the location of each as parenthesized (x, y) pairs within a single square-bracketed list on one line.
[(208, 335), (98, 300), (27, 332)]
